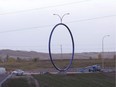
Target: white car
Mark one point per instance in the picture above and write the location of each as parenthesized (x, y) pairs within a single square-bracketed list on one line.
[(18, 72)]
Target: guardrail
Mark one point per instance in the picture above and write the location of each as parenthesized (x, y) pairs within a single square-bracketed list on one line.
[(9, 76)]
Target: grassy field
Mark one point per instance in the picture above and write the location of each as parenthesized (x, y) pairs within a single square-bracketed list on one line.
[(78, 80), (69, 80), (29, 65)]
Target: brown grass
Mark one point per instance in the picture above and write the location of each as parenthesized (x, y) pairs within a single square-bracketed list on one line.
[(29, 65)]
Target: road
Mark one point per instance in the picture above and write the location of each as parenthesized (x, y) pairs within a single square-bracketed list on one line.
[(71, 70)]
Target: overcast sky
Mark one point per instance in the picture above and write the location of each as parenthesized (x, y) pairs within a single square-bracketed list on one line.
[(26, 25)]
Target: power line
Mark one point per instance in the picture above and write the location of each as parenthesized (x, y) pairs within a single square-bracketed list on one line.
[(35, 9), (89, 19), (23, 29)]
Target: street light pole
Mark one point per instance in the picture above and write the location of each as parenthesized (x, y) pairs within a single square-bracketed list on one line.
[(61, 17), (103, 49)]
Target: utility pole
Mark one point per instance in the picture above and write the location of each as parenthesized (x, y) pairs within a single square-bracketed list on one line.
[(61, 50)]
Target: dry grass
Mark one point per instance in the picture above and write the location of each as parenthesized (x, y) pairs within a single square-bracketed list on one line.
[(29, 65)]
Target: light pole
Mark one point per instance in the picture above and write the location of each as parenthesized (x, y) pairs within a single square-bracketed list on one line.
[(103, 49), (61, 17)]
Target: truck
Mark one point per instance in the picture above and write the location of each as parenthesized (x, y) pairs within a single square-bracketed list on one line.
[(94, 68)]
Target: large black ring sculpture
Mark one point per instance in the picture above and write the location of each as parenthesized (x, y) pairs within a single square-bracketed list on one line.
[(72, 57)]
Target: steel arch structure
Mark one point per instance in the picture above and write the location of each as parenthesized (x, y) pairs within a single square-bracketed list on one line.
[(49, 47)]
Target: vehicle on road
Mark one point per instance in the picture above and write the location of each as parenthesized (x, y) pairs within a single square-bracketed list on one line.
[(18, 72), (94, 68)]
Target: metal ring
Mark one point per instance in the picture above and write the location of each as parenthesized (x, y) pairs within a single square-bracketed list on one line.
[(72, 57)]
